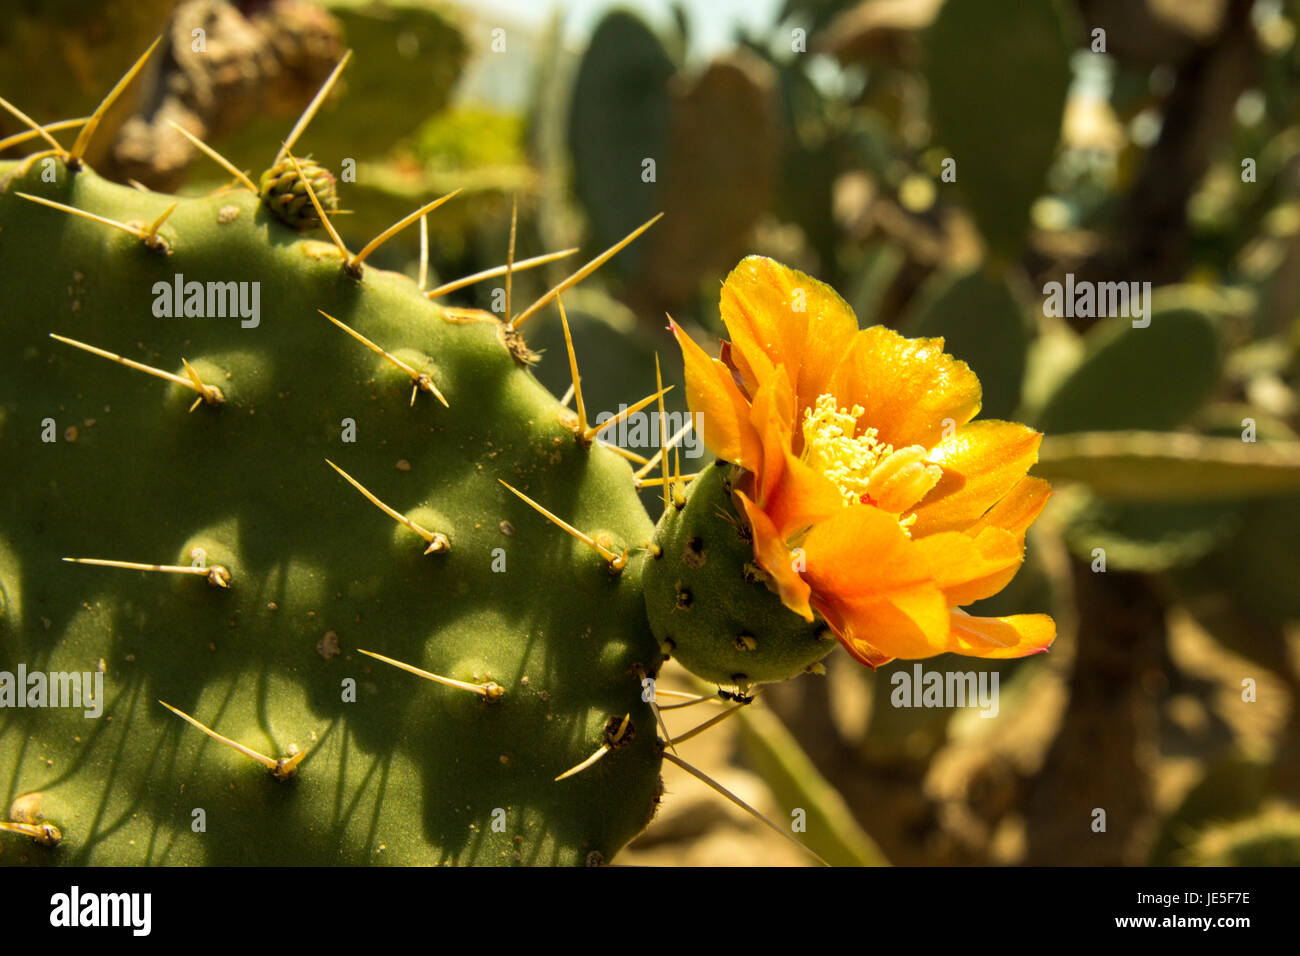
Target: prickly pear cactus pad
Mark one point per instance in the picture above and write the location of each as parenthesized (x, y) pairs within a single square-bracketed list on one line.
[(268, 572)]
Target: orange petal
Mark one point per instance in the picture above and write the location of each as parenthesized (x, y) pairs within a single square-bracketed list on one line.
[(981, 463), (865, 653), (772, 415), (801, 497), (910, 389), (911, 623), (1017, 509), (777, 316), (1001, 637), (722, 412), (985, 567), (861, 552), (775, 558), (860, 648)]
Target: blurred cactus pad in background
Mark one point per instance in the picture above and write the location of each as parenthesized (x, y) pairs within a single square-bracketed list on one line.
[(411, 449)]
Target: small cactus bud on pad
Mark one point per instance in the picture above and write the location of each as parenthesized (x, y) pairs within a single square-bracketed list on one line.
[(284, 191)]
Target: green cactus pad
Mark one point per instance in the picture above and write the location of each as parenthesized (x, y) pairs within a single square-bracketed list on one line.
[(709, 603), (1018, 106), (103, 461), (1149, 378), (620, 117)]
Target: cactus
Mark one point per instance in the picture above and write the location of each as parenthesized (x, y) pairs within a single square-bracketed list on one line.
[(1106, 392), (220, 565), (1019, 106), (278, 516), (620, 117), (646, 133)]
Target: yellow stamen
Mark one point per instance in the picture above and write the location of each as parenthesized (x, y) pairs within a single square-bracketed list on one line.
[(902, 479), (863, 468)]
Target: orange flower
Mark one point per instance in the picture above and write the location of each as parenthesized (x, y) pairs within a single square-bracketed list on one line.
[(874, 499)]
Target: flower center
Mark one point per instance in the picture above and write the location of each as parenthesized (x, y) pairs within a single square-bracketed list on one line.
[(865, 469)]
